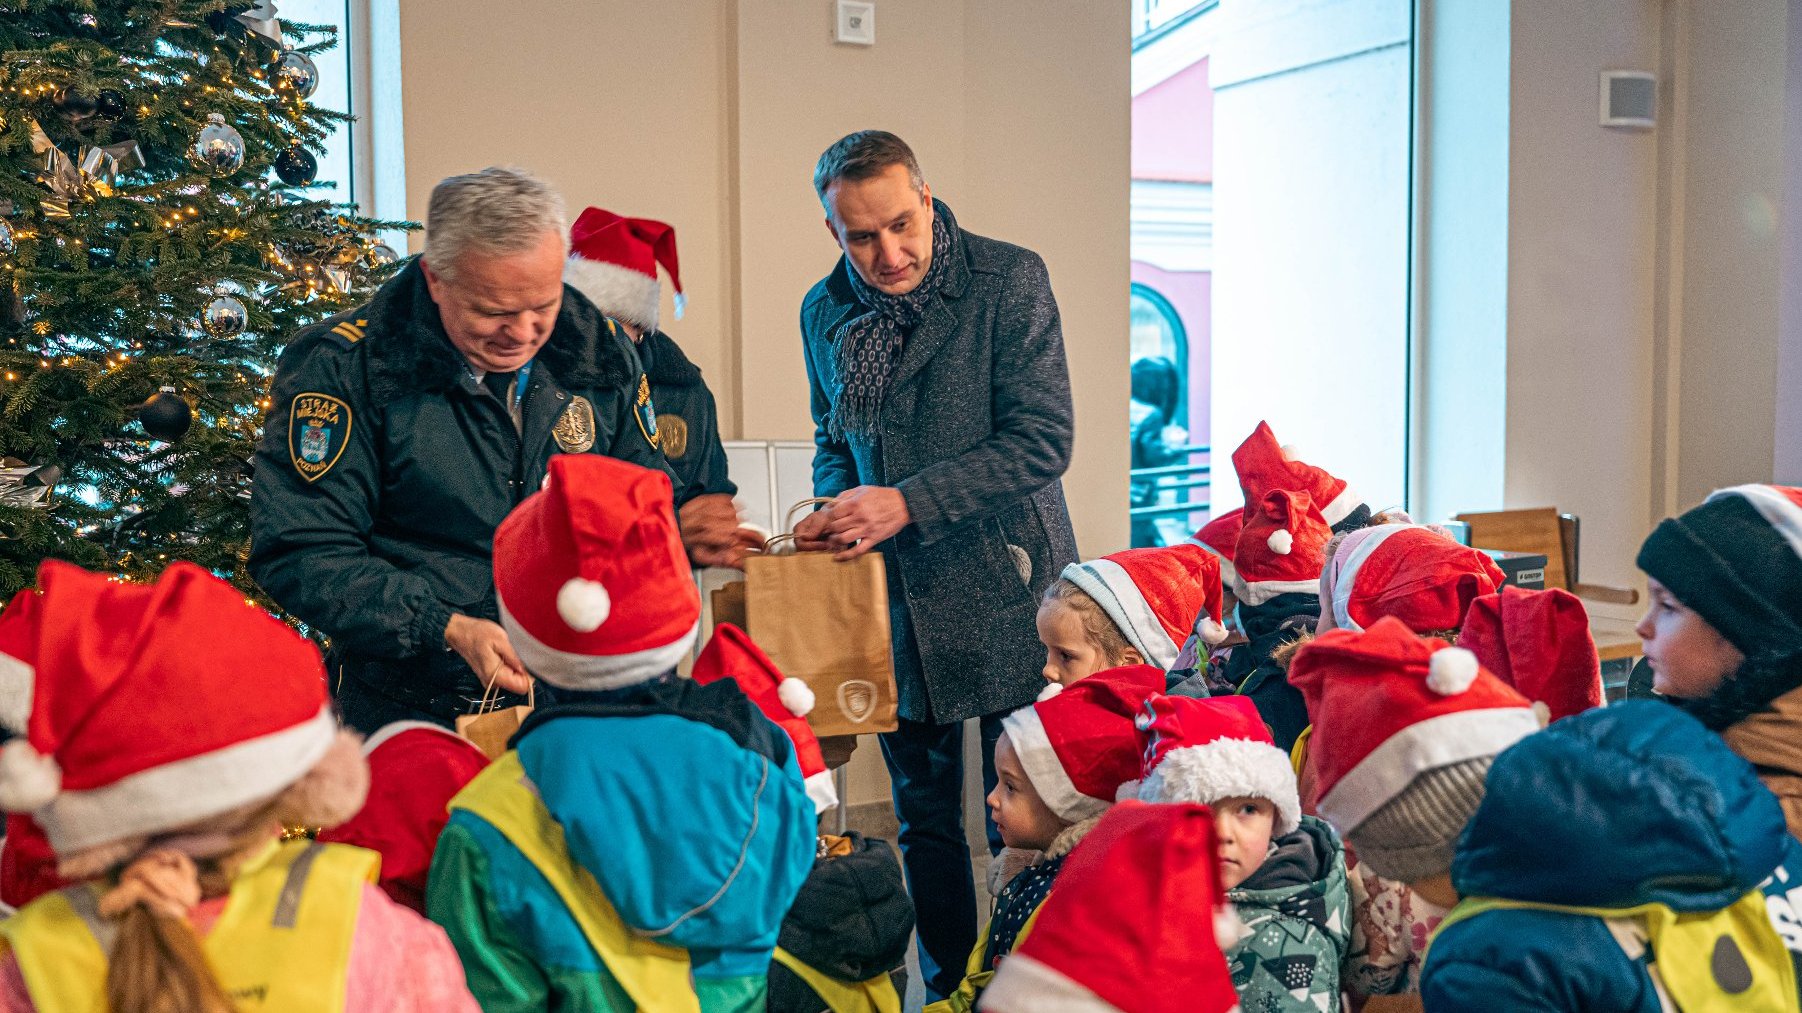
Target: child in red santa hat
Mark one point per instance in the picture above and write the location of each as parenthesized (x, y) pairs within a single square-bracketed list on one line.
[(1197, 670), (1059, 765), (1136, 924), (1284, 872), (845, 937), (162, 786), (1406, 729), (644, 834), (415, 769), (1129, 608)]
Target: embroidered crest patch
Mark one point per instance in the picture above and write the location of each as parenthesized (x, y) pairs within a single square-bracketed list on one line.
[(673, 431), (318, 432), (574, 430), (646, 413)]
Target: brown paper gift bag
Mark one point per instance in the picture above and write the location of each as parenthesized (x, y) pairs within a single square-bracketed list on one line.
[(490, 727), (729, 605), (826, 623)]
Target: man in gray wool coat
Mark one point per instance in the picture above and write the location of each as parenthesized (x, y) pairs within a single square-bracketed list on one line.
[(941, 404)]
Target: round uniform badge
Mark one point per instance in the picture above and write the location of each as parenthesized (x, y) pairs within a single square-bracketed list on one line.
[(574, 429), (673, 431)]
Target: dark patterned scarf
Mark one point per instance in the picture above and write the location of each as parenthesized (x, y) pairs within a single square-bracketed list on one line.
[(869, 344)]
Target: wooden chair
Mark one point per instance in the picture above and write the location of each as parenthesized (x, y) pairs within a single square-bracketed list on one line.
[(1546, 532)]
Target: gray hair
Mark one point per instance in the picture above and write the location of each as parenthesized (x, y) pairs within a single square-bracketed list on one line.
[(495, 211), (862, 155)]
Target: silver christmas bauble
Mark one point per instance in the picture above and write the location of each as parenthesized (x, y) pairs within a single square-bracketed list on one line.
[(218, 149), (6, 239), (225, 317), (297, 73), (381, 255)]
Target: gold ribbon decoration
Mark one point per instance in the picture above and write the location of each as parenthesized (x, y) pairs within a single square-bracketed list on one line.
[(99, 170)]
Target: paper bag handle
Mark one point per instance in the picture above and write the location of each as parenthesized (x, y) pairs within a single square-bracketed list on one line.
[(788, 519), (491, 697)]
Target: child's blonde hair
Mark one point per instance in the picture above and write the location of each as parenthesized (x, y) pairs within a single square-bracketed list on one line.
[(1097, 626)]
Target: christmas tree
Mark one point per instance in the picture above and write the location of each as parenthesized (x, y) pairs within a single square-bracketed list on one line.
[(157, 246)]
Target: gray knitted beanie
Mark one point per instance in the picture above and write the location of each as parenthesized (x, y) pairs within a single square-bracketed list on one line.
[(1414, 834)]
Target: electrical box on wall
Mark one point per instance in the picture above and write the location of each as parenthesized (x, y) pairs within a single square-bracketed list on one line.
[(1629, 99), (856, 23)]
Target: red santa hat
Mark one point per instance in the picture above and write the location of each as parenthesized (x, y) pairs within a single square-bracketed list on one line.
[(1414, 573), (1220, 536), (415, 769), (613, 261), (1539, 643), (1155, 596), (1204, 750), (1281, 547), (1392, 706), (1080, 746), (139, 720), (1116, 933), (732, 654), (1264, 464), (594, 586)]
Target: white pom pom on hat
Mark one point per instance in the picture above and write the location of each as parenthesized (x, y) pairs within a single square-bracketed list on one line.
[(796, 695), (1290, 451), (1050, 691), (1451, 671), (1280, 541), (1212, 632), (584, 604), (29, 780)]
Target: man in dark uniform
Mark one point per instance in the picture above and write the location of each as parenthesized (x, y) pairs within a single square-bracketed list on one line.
[(401, 433), (613, 261)]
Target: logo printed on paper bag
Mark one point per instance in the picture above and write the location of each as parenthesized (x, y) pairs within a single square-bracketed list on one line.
[(856, 699)]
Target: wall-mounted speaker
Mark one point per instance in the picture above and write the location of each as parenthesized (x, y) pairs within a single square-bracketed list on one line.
[(1629, 99)]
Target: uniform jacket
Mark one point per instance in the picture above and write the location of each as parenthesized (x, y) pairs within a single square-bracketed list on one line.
[(1297, 922), (1632, 804), (975, 431), (685, 805), (688, 423), (385, 467)]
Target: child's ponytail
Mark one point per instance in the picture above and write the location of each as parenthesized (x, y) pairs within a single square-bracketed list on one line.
[(157, 966)]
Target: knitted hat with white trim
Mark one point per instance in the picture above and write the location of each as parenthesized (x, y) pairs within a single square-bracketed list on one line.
[(732, 654), (593, 584), (1204, 750), (1117, 933), (1155, 596), (1080, 746), (1408, 571), (1736, 560), (613, 261), (1405, 730), (138, 719)]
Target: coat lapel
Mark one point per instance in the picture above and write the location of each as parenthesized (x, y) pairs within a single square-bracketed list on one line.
[(939, 323)]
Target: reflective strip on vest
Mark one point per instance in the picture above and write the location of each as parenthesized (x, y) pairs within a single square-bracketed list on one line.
[(1724, 961), (282, 942), (657, 976), (874, 996)]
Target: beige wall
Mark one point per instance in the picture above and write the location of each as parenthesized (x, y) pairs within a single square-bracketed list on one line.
[(710, 114)]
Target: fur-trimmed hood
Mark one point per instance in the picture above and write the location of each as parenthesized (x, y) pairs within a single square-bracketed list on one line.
[(409, 352)]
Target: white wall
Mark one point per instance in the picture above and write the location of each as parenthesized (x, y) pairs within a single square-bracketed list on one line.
[(1311, 196)]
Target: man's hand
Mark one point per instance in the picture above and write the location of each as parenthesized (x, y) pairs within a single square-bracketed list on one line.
[(810, 534), (711, 532), (860, 519), (483, 645)]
